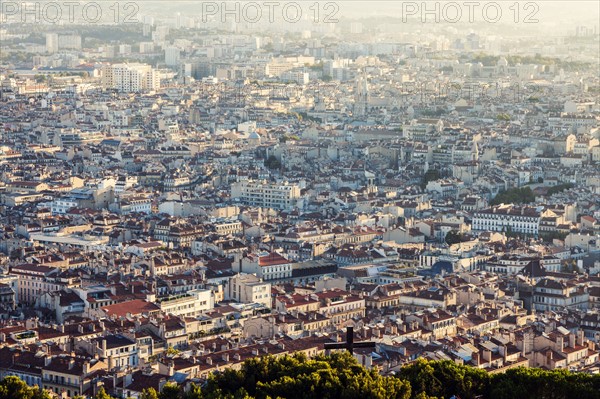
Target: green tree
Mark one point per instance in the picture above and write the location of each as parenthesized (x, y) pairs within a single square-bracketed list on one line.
[(169, 391), (559, 188), (101, 394), (149, 393), (272, 162), (430, 175), (453, 237), (522, 195), (193, 393), (291, 377), (172, 351), (14, 387)]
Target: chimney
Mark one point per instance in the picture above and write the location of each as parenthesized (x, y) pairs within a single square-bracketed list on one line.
[(572, 340), (80, 328), (209, 361), (265, 349), (525, 349), (560, 345), (237, 357), (71, 363), (549, 357), (476, 358), (225, 357), (591, 345), (580, 337), (86, 368), (224, 347), (103, 346), (487, 355), (47, 360), (376, 332), (255, 351)]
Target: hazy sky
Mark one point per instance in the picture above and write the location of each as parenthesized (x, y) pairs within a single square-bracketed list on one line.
[(553, 13)]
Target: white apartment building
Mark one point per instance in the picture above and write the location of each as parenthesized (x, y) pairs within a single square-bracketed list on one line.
[(135, 204), (130, 77), (268, 266), (172, 56), (225, 228), (51, 42), (267, 195), (508, 218), (35, 280), (61, 205), (507, 264), (69, 42), (191, 304), (247, 288)]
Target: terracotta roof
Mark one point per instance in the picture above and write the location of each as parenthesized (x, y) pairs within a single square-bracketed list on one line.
[(134, 307)]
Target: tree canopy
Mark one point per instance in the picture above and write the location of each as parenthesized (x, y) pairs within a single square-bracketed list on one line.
[(340, 376), (335, 376), (12, 387), (443, 379), (430, 175), (522, 195), (272, 162), (454, 237)]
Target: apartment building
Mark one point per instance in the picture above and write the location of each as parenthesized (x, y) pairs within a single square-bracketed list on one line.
[(69, 375), (340, 306), (267, 195), (508, 218), (35, 280), (190, 304), (130, 77), (554, 295), (247, 288), (118, 350), (268, 266)]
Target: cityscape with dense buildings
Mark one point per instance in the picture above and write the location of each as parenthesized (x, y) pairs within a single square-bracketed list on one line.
[(191, 191)]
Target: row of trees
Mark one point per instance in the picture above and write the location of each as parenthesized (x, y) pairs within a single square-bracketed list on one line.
[(340, 376), (431, 380), (559, 188), (522, 195)]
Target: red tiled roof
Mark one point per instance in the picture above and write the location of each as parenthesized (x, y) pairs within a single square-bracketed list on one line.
[(134, 307)]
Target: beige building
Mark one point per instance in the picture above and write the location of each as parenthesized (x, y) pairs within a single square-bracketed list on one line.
[(267, 195), (247, 288)]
